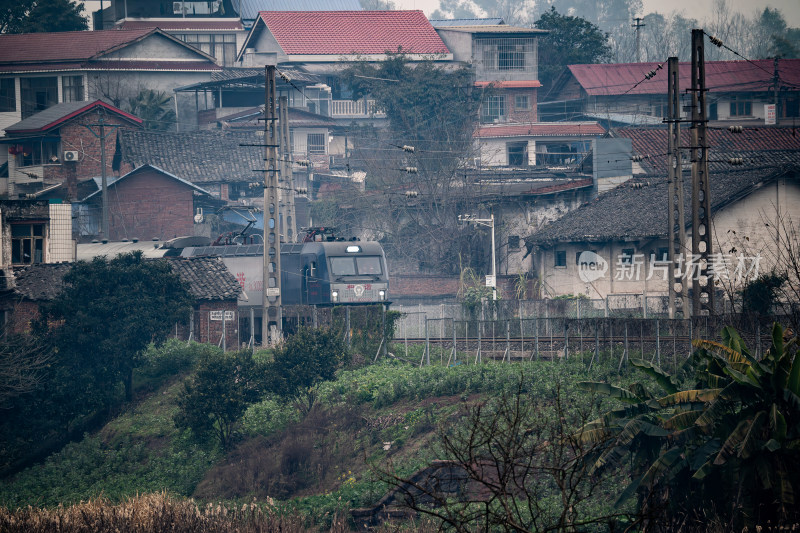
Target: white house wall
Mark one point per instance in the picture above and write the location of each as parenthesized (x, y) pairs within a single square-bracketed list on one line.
[(60, 246), (740, 228)]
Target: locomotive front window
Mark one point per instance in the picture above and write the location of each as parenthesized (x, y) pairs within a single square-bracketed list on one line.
[(369, 265), (343, 266)]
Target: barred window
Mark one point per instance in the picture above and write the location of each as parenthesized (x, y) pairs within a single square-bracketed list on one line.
[(316, 143), (506, 54)]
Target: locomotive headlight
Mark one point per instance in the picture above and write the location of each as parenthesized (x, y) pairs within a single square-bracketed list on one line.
[(335, 296), (382, 294)]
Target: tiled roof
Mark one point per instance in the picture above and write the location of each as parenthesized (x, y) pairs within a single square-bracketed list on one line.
[(253, 118), (208, 277), (63, 46), (445, 23), (510, 84), (721, 76), (198, 157), (758, 146), (353, 32), (144, 168), (250, 8), (638, 208), (494, 29), (41, 282), (178, 66), (542, 129), (55, 115), (182, 24)]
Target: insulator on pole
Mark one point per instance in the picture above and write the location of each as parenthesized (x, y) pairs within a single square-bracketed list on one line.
[(736, 129), (411, 170), (412, 194), (407, 148)]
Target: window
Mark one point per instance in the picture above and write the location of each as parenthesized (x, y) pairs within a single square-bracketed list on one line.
[(38, 152), (37, 94), (316, 143), (578, 256), (662, 254), (741, 108), (72, 88), (513, 242), (505, 54), (517, 154), (561, 258), (221, 46), (522, 102), (494, 109), (27, 243), (8, 95), (627, 255), (352, 266)]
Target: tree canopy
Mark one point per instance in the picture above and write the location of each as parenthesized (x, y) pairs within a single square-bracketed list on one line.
[(571, 41), (109, 311), (36, 16)]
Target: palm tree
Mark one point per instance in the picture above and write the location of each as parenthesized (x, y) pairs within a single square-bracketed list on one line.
[(155, 108), (726, 445)]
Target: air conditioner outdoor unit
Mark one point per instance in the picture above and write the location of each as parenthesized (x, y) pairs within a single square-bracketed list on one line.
[(177, 8), (71, 155)]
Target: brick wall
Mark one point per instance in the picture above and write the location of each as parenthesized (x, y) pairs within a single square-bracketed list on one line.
[(21, 315), (147, 205), (420, 286), (76, 137), (207, 330), (521, 115)]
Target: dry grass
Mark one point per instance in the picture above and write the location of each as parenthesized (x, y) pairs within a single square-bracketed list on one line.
[(154, 513)]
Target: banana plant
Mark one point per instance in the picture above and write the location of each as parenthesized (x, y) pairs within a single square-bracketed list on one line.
[(731, 439)]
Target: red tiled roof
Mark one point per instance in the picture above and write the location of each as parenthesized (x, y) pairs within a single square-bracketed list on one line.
[(541, 129), (721, 76), (527, 84), (349, 32), (63, 46), (182, 24)]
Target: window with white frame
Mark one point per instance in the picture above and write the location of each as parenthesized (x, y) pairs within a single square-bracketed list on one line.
[(221, 46), (522, 102), (37, 94), (72, 88), (494, 108), (36, 152)]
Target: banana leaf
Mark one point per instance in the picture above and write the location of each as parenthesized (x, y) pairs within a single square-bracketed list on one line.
[(611, 391), (664, 380), (733, 442)]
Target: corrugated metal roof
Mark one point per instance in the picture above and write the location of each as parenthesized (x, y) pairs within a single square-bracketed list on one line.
[(542, 129), (249, 9), (443, 23), (353, 32), (721, 76)]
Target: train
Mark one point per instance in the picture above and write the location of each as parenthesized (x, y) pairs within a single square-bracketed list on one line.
[(321, 271)]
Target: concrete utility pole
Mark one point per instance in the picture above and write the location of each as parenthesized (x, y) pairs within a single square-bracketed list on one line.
[(272, 312), (101, 136), (287, 193), (703, 284), (637, 26), (676, 220)]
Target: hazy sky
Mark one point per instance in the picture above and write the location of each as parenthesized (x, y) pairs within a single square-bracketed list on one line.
[(698, 9)]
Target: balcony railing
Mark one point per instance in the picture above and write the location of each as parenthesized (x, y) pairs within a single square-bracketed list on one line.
[(356, 108)]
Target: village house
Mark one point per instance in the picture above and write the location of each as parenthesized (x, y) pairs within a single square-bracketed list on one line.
[(61, 146), (625, 229), (147, 203), (35, 231), (39, 70), (214, 289), (738, 92)]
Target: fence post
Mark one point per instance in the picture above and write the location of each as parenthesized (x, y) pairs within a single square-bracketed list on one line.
[(427, 345), (508, 341), (658, 344), (758, 339), (454, 341), (478, 357), (347, 326), (566, 340), (596, 343), (606, 308), (536, 333), (644, 309), (191, 327)]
